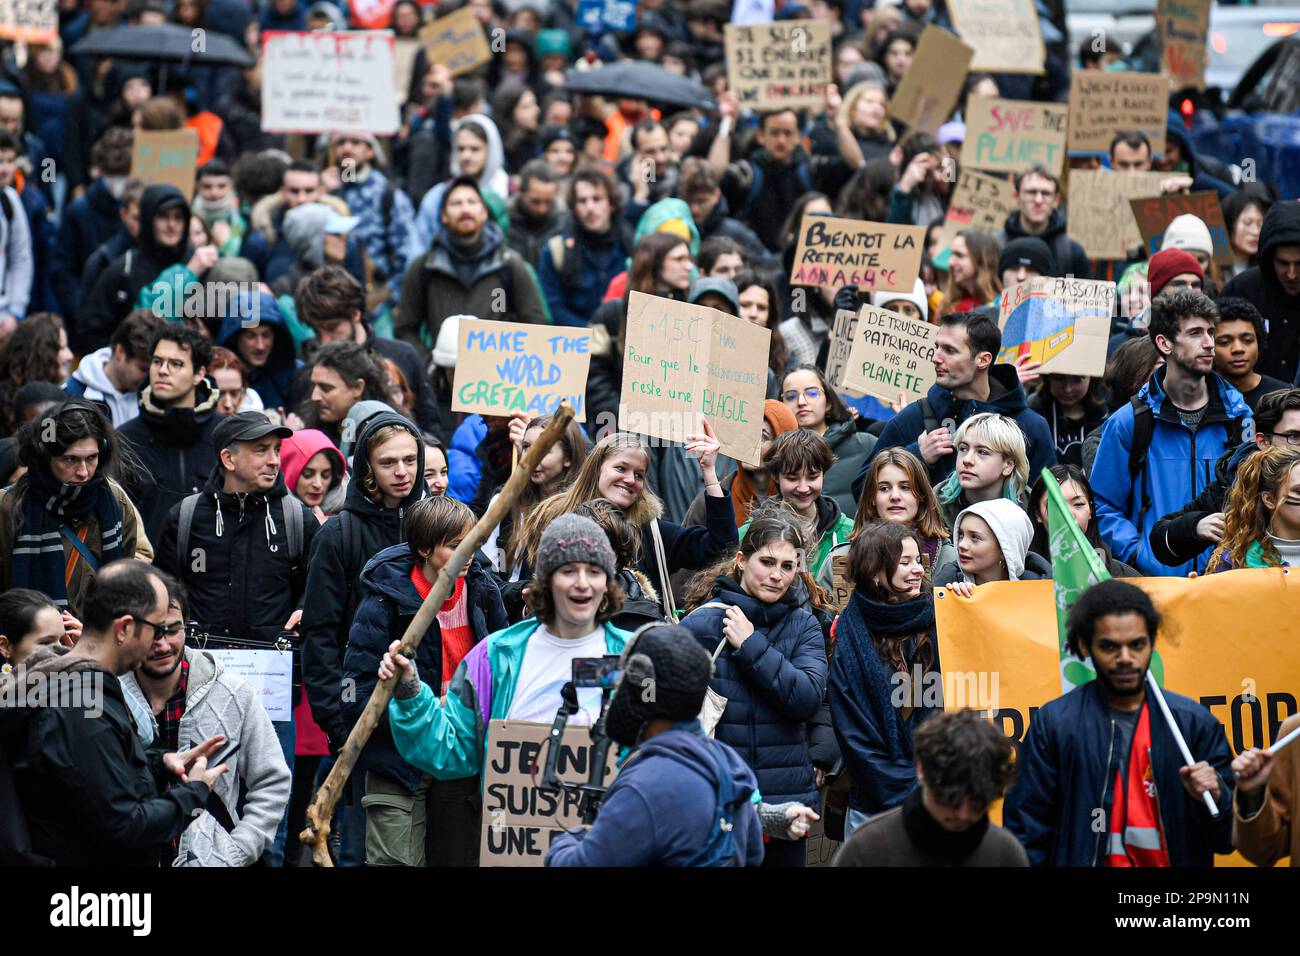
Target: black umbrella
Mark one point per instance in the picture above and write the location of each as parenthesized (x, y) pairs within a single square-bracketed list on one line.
[(639, 80), (168, 42)]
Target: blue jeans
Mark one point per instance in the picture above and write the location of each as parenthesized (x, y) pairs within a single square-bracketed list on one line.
[(284, 729)]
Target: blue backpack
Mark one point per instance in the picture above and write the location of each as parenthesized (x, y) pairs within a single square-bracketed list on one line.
[(721, 848)]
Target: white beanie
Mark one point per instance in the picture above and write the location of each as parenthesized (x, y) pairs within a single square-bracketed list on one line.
[(444, 351), (916, 297), (1010, 525), (1189, 233)]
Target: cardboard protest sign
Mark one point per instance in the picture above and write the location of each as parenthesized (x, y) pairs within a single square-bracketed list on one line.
[(507, 367), (932, 84), (456, 41), (404, 53), (870, 255), (785, 64), (32, 21), (842, 588), (1000, 653), (1100, 218), (841, 341), (1062, 323), (1004, 33), (1154, 215), (683, 363), (520, 819), (1103, 104), (328, 82), (891, 353), (166, 156), (979, 202), (1183, 26), (821, 848), (1012, 135)]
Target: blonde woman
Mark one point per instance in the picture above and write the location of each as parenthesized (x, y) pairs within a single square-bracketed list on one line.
[(991, 462)]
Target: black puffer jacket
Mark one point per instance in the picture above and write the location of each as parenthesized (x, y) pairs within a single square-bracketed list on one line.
[(774, 685), (342, 547), (174, 446), (91, 793), (247, 584), (1260, 287)]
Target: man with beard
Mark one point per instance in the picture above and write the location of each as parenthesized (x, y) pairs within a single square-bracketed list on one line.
[(1158, 452), (535, 211), (576, 266), (172, 435), (468, 270), (1101, 779), (192, 697)]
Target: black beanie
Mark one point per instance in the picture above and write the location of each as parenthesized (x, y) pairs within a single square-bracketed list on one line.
[(666, 673), (1027, 251)]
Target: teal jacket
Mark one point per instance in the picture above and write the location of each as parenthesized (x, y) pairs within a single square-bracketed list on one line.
[(448, 739)]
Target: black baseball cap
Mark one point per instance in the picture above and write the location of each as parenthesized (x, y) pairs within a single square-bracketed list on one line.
[(246, 426)]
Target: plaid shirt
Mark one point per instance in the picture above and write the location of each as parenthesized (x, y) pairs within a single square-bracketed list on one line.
[(169, 721)]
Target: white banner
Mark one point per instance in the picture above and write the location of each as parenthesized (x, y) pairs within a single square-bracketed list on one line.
[(329, 82), (270, 673)]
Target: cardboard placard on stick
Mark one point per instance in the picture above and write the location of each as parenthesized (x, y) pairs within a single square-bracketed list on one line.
[(1004, 33), (683, 363), (1154, 215), (329, 82), (166, 156), (1062, 323), (785, 64), (891, 353), (875, 256), (932, 84), (512, 836), (1011, 135), (841, 341), (456, 41), (507, 367), (980, 201), (1100, 218), (1183, 26), (1103, 104)]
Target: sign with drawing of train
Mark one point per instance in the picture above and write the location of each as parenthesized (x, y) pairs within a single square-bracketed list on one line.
[(1064, 324)]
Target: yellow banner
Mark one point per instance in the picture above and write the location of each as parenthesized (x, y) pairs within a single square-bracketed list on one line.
[(1231, 641)]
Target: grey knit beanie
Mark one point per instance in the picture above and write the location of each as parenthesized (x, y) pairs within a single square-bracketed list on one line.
[(571, 538)]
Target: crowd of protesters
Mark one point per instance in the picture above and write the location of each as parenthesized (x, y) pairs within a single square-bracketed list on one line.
[(280, 466)]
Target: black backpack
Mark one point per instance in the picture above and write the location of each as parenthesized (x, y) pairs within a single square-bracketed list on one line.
[(292, 528)]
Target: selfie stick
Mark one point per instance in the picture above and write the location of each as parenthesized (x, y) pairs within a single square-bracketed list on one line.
[(1178, 736)]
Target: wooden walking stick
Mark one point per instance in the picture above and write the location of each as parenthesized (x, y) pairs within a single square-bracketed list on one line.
[(322, 808)]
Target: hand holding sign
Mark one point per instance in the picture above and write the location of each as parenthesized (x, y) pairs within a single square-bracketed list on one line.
[(706, 446)]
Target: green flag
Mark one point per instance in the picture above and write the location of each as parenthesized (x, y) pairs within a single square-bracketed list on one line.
[(1075, 568)]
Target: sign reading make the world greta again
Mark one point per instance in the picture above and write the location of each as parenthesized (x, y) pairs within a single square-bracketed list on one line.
[(508, 367)]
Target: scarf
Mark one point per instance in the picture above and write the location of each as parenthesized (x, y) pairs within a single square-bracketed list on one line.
[(1135, 837), (861, 622), (465, 257), (744, 495), (38, 560), (212, 210), (932, 839)]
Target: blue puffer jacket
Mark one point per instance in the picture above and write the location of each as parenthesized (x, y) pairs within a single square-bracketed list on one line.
[(1067, 771), (388, 603), (575, 303), (464, 467), (1178, 466), (905, 428), (773, 684)]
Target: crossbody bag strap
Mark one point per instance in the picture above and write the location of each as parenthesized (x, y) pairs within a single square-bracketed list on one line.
[(717, 651), (665, 582)]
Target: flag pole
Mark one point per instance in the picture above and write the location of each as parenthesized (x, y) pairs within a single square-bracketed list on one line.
[(1289, 738), (1178, 736)]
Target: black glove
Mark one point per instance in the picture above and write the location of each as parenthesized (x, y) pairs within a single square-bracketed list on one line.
[(848, 299)]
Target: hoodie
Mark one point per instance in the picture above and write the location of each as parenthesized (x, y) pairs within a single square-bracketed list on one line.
[(1012, 528), (255, 790), (1069, 256), (428, 221), (344, 544), (90, 382), (296, 451), (1006, 397), (1260, 287), (659, 811), (274, 379)]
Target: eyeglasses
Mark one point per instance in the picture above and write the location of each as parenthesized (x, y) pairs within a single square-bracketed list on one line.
[(1045, 193), (792, 395), (1291, 438), (165, 629)]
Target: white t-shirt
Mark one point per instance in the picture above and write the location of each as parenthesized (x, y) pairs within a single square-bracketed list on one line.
[(548, 666)]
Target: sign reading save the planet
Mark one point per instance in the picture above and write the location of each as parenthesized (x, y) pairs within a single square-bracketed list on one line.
[(508, 367), (1011, 135)]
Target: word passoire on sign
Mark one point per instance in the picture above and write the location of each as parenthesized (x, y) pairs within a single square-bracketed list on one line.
[(508, 367), (870, 255), (337, 82)]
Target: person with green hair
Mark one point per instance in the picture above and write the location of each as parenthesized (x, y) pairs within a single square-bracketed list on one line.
[(991, 463)]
